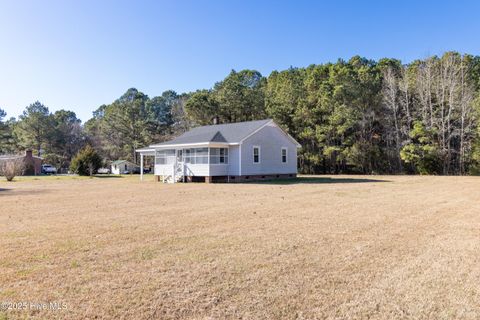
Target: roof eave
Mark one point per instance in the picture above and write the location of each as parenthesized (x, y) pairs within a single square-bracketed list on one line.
[(196, 144), (276, 125), (146, 151)]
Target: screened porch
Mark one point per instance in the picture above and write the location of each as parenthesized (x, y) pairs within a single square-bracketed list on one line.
[(192, 156)]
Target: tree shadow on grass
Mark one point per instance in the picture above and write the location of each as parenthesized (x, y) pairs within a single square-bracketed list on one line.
[(318, 180), (16, 192), (106, 176)]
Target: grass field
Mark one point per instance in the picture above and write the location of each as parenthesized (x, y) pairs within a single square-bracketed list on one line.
[(338, 247)]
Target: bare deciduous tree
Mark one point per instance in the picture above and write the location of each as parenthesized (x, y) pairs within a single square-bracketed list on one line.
[(390, 97), (10, 168), (439, 93)]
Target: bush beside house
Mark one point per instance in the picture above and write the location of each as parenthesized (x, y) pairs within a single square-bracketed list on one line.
[(86, 162)]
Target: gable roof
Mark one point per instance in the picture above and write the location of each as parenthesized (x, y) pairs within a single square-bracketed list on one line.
[(222, 133), (121, 161)]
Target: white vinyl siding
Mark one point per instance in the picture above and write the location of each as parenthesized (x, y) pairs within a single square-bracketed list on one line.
[(233, 160), (190, 169), (271, 140), (122, 167)]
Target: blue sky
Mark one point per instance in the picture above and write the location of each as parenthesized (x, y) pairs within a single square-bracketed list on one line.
[(78, 55)]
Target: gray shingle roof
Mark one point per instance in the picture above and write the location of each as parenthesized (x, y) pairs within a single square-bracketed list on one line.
[(121, 161), (228, 133)]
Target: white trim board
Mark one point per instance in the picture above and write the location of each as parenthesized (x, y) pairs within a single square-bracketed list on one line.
[(183, 145), (269, 123)]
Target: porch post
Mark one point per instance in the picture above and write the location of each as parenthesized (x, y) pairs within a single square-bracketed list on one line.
[(240, 160), (141, 166)]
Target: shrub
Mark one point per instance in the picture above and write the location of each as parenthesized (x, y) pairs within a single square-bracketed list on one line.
[(422, 151), (86, 162), (9, 168)]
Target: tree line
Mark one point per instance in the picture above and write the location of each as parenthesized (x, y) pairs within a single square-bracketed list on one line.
[(355, 116)]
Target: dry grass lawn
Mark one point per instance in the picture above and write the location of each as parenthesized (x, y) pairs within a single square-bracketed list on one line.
[(335, 247)]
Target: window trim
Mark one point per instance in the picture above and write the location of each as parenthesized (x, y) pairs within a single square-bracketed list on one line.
[(259, 154), (221, 155), (225, 156), (286, 155)]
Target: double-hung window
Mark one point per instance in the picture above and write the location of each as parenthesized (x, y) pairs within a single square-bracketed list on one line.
[(222, 155), (256, 154), (284, 155), (218, 155)]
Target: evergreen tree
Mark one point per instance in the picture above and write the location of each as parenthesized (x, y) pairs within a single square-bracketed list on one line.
[(35, 127)]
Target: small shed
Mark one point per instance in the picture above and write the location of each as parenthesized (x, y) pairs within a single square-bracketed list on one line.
[(124, 167)]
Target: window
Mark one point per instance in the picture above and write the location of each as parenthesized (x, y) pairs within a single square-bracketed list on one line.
[(188, 155), (201, 155), (192, 156), (222, 156), (196, 155), (165, 157), (218, 155), (256, 154), (126, 167), (284, 155)]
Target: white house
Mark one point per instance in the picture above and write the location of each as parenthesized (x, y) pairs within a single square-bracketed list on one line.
[(226, 152), (123, 166)]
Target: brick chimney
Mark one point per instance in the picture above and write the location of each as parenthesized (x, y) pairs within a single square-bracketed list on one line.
[(28, 153)]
